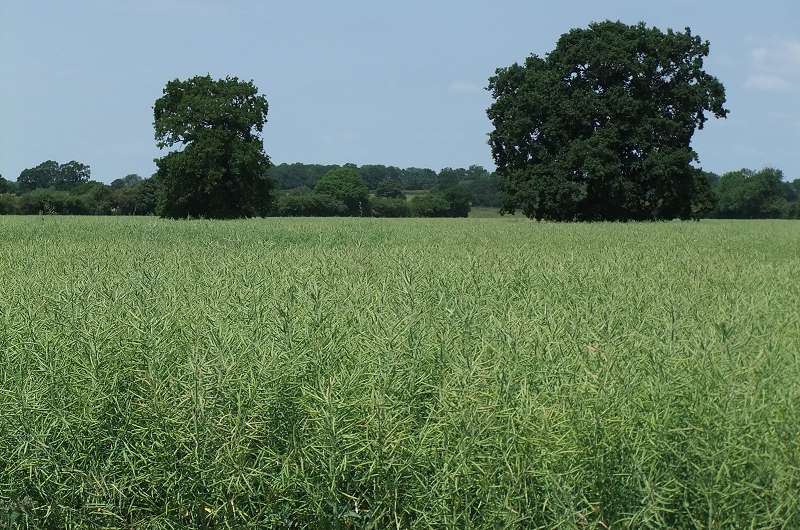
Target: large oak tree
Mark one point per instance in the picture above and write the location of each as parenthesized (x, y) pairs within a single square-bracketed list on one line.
[(220, 168), (600, 128)]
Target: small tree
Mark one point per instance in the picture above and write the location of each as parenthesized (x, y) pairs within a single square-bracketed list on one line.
[(221, 170), (345, 185)]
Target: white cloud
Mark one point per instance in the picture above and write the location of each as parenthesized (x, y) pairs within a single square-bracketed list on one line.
[(775, 66), (464, 87)]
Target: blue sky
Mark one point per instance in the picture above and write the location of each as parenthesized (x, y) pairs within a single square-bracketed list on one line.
[(355, 81)]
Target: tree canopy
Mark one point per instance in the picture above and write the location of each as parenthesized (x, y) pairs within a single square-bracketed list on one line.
[(748, 194), (128, 181), (221, 169), (345, 185), (600, 128), (6, 186), (51, 174), (391, 189)]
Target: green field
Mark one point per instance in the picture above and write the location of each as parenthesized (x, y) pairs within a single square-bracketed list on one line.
[(348, 373)]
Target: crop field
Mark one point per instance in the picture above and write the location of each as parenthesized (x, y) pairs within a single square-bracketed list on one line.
[(366, 373)]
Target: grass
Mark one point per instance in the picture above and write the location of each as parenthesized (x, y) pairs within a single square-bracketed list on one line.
[(399, 373)]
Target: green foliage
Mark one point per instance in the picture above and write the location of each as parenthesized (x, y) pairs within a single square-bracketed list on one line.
[(390, 189), (459, 200), (482, 185), (51, 174), (136, 197), (309, 204), (389, 207), (600, 128), (358, 373), (429, 204), (41, 176), (374, 175), (703, 201), (748, 194), (458, 188), (792, 190), (338, 193), (449, 177), (450, 198), (52, 201), (415, 178), (297, 175), (7, 186), (146, 194), (88, 198), (346, 186), (9, 204), (221, 170), (128, 181)]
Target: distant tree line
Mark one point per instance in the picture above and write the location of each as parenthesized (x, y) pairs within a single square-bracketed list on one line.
[(302, 190), (385, 191), (748, 194), (482, 185), (333, 190), (53, 188)]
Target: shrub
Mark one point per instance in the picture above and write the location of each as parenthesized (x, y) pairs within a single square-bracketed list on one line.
[(50, 201), (387, 207), (459, 200), (429, 205), (9, 203), (309, 204)]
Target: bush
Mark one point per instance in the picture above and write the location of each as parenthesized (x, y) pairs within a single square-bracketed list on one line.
[(429, 205), (459, 200), (95, 198), (9, 203), (387, 207), (50, 201), (309, 204), (793, 211)]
